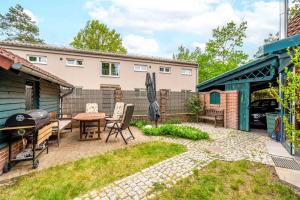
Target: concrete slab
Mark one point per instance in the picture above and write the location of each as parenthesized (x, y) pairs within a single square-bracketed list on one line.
[(289, 176), (277, 149)]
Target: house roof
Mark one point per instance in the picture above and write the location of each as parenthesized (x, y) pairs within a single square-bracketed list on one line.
[(294, 25), (21, 62), (93, 52)]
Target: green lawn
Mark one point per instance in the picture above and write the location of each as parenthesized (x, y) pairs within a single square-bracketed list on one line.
[(230, 180), (73, 179)]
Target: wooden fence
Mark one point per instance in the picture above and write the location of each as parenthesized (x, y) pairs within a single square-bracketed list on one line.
[(75, 102)]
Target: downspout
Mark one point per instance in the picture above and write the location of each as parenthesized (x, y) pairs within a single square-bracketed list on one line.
[(61, 99)]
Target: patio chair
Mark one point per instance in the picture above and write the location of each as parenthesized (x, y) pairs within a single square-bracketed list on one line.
[(118, 112), (119, 127), (91, 107)]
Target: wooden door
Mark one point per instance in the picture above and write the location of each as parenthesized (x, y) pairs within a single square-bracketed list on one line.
[(244, 104)]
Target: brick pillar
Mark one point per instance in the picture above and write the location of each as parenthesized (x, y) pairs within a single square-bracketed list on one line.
[(118, 96), (201, 97), (163, 95)]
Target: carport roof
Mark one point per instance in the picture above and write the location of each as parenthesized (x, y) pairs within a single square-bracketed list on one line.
[(218, 80), (271, 53)]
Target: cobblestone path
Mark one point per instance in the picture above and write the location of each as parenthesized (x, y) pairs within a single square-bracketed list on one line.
[(226, 144)]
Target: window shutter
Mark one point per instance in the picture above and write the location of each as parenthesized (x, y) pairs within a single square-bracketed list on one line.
[(215, 98)]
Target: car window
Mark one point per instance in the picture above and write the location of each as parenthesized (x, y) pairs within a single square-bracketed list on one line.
[(273, 103), (255, 103), (264, 104)]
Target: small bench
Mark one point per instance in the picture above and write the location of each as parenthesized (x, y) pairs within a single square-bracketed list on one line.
[(217, 116), (59, 125)]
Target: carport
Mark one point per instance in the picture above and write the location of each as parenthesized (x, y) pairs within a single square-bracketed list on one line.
[(253, 76), (245, 79)]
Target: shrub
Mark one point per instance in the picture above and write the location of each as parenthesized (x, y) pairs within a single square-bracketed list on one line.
[(139, 123), (194, 106), (178, 131), (172, 121)]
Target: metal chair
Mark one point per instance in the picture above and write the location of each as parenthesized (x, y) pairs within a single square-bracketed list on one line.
[(118, 112), (119, 127)]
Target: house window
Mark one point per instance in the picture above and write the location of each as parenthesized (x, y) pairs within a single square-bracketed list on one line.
[(140, 92), (110, 69), (37, 59), (215, 98), (186, 72), (165, 70), (140, 68), (74, 62)]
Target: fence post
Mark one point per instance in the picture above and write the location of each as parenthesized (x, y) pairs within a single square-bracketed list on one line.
[(118, 96), (163, 93)]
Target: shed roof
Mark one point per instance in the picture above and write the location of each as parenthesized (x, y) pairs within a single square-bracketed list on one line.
[(19, 61)]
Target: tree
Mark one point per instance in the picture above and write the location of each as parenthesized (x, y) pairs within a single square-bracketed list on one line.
[(222, 52), (97, 36), (271, 38), (184, 54), (225, 45), (294, 9), (18, 26), (290, 101)]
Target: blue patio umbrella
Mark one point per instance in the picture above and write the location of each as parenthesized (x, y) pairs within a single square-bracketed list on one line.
[(153, 110)]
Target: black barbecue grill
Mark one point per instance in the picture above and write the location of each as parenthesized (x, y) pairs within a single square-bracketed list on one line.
[(26, 126)]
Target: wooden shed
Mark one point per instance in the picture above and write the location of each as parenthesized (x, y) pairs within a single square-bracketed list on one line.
[(24, 86)]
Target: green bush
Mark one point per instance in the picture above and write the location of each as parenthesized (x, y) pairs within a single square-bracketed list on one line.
[(139, 123), (178, 131), (172, 121)]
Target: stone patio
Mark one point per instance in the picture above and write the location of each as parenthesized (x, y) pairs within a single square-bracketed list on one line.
[(71, 149), (226, 144)]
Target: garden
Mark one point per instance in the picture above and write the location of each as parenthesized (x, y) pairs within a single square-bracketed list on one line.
[(76, 178)]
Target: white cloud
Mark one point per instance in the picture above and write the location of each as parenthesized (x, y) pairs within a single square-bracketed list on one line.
[(188, 16), (33, 17), (140, 45)]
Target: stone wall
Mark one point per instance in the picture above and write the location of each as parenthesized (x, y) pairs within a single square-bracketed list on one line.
[(228, 102)]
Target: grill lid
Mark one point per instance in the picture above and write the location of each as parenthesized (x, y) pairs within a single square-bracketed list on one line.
[(19, 119), (38, 114)]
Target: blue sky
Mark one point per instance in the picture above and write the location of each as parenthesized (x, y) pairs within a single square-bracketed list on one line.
[(153, 27)]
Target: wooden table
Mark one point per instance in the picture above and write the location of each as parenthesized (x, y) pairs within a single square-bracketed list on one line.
[(84, 118)]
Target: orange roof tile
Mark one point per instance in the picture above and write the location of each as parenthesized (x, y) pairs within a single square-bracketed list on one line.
[(294, 25), (19, 60)]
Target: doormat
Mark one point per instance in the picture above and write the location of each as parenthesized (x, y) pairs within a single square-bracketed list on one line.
[(283, 162)]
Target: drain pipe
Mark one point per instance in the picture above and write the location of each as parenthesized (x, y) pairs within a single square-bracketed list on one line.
[(284, 15), (61, 99)]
